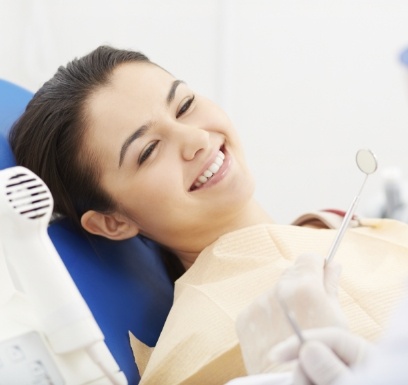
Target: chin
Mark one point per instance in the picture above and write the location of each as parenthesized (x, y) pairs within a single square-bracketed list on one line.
[(241, 191)]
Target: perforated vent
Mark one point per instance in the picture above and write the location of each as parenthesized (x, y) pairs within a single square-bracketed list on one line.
[(29, 196)]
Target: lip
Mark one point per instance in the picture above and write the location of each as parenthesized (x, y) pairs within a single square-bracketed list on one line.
[(219, 175)]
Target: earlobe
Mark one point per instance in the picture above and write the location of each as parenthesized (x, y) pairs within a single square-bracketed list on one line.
[(113, 226)]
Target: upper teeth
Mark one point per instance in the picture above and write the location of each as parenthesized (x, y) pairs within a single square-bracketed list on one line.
[(213, 169)]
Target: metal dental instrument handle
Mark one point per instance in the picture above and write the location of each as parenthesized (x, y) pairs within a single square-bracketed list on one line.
[(367, 163)]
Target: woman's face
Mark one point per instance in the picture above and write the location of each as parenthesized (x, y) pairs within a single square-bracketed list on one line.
[(169, 157)]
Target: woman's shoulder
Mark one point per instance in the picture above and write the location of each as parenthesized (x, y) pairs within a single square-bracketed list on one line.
[(323, 219)]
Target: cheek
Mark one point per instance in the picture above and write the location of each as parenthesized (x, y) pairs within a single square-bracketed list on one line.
[(148, 194), (219, 118), (221, 122)]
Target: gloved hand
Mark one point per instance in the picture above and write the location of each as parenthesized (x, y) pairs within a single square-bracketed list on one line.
[(324, 358), (309, 290)]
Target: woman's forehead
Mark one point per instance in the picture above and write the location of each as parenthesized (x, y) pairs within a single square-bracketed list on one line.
[(139, 77), (132, 86)]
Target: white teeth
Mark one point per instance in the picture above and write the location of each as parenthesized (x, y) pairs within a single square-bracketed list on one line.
[(213, 169), (218, 161), (208, 173)]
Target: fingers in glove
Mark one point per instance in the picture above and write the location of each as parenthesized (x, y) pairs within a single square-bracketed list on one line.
[(350, 348), (285, 351), (308, 263), (331, 279), (300, 377), (320, 364)]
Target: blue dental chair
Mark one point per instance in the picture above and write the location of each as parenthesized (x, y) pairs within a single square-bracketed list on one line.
[(126, 284)]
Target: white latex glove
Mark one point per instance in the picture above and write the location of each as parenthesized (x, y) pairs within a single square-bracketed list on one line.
[(309, 289), (325, 357)]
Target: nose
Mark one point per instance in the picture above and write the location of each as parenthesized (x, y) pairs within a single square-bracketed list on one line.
[(191, 140)]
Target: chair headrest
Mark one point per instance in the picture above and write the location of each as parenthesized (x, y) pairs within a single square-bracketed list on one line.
[(6, 156), (13, 100)]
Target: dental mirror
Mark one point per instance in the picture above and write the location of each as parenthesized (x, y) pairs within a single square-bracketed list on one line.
[(367, 163)]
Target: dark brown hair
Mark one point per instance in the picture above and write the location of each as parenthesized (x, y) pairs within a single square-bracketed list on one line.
[(47, 138)]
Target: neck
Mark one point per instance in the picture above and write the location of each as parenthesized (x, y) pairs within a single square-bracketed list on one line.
[(251, 215)]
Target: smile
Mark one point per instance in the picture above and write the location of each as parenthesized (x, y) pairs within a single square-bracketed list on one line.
[(210, 172)]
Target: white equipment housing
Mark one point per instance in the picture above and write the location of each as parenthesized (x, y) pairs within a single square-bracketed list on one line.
[(48, 334)]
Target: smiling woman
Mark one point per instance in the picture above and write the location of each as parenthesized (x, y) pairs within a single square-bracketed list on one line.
[(128, 149), (165, 139)]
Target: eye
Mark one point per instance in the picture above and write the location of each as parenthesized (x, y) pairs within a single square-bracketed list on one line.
[(145, 154), (184, 108)]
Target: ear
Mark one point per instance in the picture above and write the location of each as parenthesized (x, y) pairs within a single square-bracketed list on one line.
[(113, 226)]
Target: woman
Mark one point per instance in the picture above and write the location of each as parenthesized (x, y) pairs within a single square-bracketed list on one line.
[(165, 152), (128, 149)]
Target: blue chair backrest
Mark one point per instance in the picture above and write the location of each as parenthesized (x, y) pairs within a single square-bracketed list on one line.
[(13, 100), (125, 284)]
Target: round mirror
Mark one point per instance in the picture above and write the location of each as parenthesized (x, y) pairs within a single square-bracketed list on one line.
[(366, 161)]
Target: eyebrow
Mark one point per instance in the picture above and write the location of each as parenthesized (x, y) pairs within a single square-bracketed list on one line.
[(172, 92), (143, 129), (137, 134)]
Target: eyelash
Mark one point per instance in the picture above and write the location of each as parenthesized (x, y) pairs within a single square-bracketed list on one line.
[(185, 107), (145, 155)]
